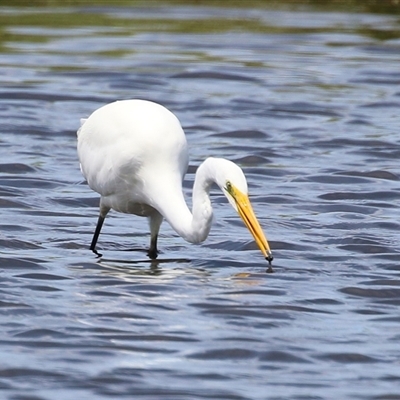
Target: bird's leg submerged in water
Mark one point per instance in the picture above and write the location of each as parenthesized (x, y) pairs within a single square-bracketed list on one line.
[(153, 252), (100, 221), (155, 220), (96, 235)]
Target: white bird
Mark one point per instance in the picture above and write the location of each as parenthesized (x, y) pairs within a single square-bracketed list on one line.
[(134, 154)]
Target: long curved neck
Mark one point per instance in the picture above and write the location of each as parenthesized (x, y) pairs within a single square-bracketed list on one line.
[(192, 226)]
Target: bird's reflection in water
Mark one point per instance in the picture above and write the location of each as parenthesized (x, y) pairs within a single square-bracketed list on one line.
[(173, 267), (143, 267)]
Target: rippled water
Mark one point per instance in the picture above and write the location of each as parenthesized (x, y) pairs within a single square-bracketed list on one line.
[(307, 103)]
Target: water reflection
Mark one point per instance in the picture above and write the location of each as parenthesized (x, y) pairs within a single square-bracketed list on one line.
[(141, 267)]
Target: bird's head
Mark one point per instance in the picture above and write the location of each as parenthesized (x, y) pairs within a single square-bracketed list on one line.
[(230, 178)]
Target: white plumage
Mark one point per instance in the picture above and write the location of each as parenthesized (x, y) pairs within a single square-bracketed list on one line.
[(134, 154)]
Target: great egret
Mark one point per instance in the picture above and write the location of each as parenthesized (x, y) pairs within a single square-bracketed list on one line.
[(134, 154)]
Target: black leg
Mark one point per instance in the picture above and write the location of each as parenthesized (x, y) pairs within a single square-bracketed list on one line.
[(153, 252), (155, 221), (96, 235)]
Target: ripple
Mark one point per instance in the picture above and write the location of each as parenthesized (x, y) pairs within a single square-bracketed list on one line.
[(18, 244), (42, 276), (42, 333), (377, 174), (15, 168), (378, 195), (15, 263), (243, 134), (349, 358), (281, 357), (7, 304), (372, 293), (214, 75), (302, 107), (224, 354), (28, 373)]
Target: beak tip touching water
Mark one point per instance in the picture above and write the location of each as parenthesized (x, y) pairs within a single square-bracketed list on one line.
[(269, 258)]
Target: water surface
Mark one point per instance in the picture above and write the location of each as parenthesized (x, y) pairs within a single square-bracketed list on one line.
[(307, 102)]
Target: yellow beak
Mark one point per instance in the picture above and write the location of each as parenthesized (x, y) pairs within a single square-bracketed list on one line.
[(246, 212)]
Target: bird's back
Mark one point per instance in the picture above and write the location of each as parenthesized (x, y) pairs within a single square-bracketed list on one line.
[(124, 144)]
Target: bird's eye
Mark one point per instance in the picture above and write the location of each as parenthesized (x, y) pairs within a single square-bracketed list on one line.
[(228, 187)]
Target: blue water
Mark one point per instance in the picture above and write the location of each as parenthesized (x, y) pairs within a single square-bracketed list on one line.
[(307, 102)]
